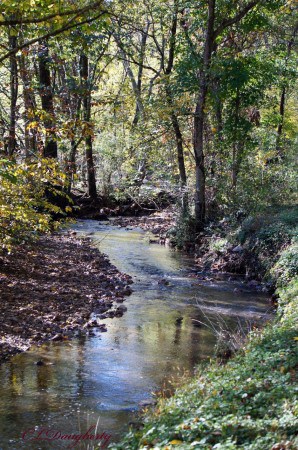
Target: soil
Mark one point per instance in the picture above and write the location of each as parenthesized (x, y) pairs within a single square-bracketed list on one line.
[(49, 290)]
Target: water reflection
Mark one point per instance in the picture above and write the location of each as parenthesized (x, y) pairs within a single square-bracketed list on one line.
[(106, 377)]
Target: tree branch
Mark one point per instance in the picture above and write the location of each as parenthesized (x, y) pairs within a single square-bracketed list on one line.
[(228, 22), (49, 35), (8, 22)]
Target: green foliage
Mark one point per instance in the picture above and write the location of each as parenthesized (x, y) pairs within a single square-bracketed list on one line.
[(271, 229), (183, 234), (267, 237), (24, 209), (218, 245), (288, 295), (251, 65), (286, 267)]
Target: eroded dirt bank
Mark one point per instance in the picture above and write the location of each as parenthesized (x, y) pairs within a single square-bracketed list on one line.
[(49, 290)]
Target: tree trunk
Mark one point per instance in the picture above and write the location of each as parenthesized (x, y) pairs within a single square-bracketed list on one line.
[(281, 122), (174, 119), (50, 148), (235, 151), (13, 96), (138, 113), (29, 108), (72, 167), (179, 140), (84, 72), (90, 168), (136, 85), (283, 95), (198, 140), (180, 152)]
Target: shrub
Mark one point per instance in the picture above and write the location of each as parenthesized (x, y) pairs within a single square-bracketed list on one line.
[(25, 210), (286, 267), (182, 236)]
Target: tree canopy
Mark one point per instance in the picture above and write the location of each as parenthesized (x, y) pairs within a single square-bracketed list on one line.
[(195, 98)]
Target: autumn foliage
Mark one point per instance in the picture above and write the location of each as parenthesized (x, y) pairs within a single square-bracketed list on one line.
[(25, 210)]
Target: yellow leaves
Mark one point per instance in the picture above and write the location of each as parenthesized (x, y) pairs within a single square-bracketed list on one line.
[(58, 20), (282, 369), (295, 338), (185, 426), (68, 209), (175, 442), (274, 425), (262, 157), (24, 211), (32, 125), (13, 32)]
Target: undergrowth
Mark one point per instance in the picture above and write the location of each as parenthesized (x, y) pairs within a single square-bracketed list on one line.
[(267, 236)]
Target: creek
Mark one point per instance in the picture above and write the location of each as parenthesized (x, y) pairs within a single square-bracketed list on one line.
[(105, 378)]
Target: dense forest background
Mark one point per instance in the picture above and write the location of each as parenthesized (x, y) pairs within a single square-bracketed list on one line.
[(125, 100)]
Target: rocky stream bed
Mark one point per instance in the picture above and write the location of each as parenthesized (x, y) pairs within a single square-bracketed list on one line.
[(49, 290)]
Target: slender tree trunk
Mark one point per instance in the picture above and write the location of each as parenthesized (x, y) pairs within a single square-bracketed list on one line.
[(14, 83), (235, 156), (180, 155), (282, 102), (174, 119), (72, 167), (218, 109), (181, 162), (84, 69), (179, 139), (199, 119), (29, 108), (136, 85), (216, 166), (90, 168), (180, 151), (138, 113), (46, 94), (281, 121)]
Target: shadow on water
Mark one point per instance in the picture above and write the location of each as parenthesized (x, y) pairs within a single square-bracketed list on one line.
[(107, 376)]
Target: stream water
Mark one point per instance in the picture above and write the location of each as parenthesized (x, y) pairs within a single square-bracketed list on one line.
[(103, 379)]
